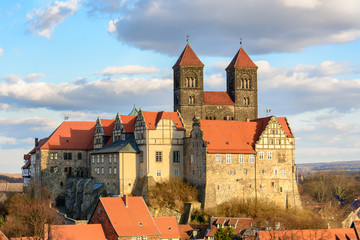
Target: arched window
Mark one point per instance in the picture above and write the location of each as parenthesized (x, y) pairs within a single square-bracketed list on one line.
[(192, 100), (246, 101)]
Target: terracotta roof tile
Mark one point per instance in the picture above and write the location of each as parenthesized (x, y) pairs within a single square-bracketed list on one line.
[(2, 236), (72, 136), (188, 58), (152, 119), (284, 124), (240, 224), (186, 231), (168, 227), (131, 220), (78, 232), (217, 98), (241, 59), (128, 123), (108, 125)]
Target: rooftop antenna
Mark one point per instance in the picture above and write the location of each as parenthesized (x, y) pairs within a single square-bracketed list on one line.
[(187, 38), (240, 42)]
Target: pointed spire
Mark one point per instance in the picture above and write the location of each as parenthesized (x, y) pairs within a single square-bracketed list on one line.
[(188, 58), (241, 59), (134, 111)]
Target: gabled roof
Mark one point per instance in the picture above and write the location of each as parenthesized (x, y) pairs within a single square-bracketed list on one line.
[(241, 59), (72, 136), (128, 123), (168, 227), (217, 98), (188, 58), (328, 234), (108, 125), (78, 232), (40, 144), (240, 224), (132, 219), (285, 126), (230, 136), (152, 119), (186, 231), (128, 146)]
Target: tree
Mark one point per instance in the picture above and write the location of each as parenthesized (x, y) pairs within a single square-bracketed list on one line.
[(27, 216), (225, 234)]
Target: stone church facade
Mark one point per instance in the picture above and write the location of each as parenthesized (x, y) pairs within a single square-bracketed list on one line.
[(213, 139)]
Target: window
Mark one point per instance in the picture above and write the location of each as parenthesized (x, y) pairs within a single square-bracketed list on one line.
[(269, 155), (252, 158), (133, 238), (102, 171), (228, 158), (110, 158), (271, 141), (145, 238), (53, 156), (275, 171), (176, 156), (262, 171), (280, 189), (115, 158), (114, 170), (93, 159), (98, 159), (79, 156), (229, 172), (176, 172), (102, 158), (67, 156), (199, 172), (141, 156), (139, 238), (141, 173), (110, 170), (284, 172), (192, 100), (261, 155), (245, 171), (192, 159), (218, 158), (277, 141), (158, 156), (241, 157), (158, 173)]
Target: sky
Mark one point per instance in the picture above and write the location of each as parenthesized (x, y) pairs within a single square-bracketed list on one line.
[(90, 58)]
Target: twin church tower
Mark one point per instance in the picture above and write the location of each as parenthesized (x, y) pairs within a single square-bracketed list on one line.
[(239, 102)]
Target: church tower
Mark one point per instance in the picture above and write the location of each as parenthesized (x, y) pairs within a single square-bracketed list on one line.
[(188, 86), (241, 78)]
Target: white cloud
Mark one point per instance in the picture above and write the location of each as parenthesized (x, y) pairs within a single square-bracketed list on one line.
[(1, 52), (112, 26), (12, 141), (270, 26), (129, 70), (44, 21), (215, 81), (32, 77), (11, 160)]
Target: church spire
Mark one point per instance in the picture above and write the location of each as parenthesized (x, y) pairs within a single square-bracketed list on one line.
[(242, 60)]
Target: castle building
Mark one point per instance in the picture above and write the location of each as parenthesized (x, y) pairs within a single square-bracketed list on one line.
[(214, 140)]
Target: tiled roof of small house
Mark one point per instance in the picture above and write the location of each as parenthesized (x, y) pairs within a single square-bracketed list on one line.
[(77, 232), (241, 59), (152, 119), (128, 145), (217, 98), (238, 224), (328, 234), (188, 58), (71, 135), (168, 227), (129, 216), (187, 231)]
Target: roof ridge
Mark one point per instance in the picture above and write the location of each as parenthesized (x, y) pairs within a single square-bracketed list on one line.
[(188, 58), (241, 59)]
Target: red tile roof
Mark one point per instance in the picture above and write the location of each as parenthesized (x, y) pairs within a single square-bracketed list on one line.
[(2, 236), (186, 231), (217, 98), (152, 118), (241, 59), (188, 58), (78, 232), (325, 234), (240, 224), (128, 123), (134, 219), (168, 227), (224, 136), (72, 136), (284, 124), (356, 226)]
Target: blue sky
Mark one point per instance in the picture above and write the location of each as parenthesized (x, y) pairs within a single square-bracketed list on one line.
[(89, 58)]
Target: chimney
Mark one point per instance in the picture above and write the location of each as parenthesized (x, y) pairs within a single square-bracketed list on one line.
[(46, 231), (247, 119), (36, 142), (227, 118)]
